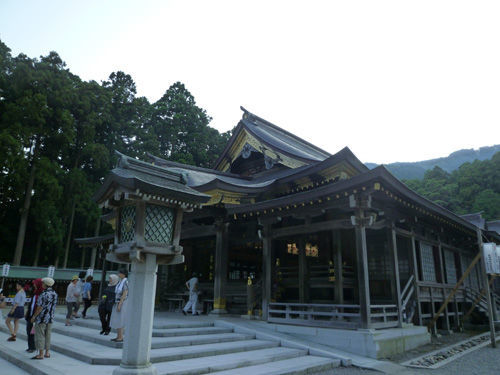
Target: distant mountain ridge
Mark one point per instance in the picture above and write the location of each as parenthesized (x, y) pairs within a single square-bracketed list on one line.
[(416, 170)]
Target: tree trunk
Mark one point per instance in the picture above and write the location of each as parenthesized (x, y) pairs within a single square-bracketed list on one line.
[(68, 239), (37, 252), (94, 249), (82, 261), (24, 217)]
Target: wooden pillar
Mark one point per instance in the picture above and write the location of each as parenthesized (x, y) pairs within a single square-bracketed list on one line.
[(266, 270), (220, 277), (337, 263), (444, 292), (391, 234), (415, 276), (433, 310), (362, 270), (303, 284), (487, 287)]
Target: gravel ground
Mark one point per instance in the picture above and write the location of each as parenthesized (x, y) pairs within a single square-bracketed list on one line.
[(484, 361)]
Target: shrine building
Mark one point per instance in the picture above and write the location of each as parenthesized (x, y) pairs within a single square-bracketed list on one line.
[(318, 239)]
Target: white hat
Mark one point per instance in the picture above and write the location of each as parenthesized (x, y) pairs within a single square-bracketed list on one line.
[(48, 281)]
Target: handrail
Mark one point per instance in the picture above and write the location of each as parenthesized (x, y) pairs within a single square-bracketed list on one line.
[(479, 298), (410, 281)]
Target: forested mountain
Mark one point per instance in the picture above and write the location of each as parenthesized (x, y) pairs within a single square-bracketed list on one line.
[(473, 187), (448, 164), (58, 135)]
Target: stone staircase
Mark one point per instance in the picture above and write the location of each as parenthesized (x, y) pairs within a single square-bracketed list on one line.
[(178, 347)]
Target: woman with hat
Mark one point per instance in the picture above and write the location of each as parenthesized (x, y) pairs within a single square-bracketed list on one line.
[(119, 313), (17, 311), (72, 295)]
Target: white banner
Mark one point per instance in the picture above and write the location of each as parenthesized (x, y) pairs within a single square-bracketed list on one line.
[(51, 271), (5, 270), (90, 272), (490, 258), (498, 260)]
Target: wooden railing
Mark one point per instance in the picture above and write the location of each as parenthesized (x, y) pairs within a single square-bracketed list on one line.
[(332, 316), (383, 316), (322, 315)]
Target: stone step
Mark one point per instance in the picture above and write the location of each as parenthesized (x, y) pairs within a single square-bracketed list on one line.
[(190, 331), (181, 323), (10, 368), (58, 364), (95, 323), (240, 363), (196, 366), (97, 354), (92, 335), (295, 366)]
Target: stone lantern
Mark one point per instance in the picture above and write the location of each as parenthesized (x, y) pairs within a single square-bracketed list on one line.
[(149, 202)]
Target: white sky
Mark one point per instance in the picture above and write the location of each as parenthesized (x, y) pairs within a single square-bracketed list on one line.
[(392, 80)]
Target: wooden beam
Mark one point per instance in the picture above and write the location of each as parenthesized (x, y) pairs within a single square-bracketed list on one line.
[(459, 283), (311, 228), (197, 231)]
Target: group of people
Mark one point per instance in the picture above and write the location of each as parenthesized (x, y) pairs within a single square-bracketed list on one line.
[(39, 315), (76, 293), (40, 312), (112, 306)]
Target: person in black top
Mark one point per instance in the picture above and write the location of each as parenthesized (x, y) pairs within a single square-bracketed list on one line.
[(37, 289), (106, 304)]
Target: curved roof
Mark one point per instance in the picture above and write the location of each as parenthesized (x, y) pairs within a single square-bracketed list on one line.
[(204, 179), (275, 138)]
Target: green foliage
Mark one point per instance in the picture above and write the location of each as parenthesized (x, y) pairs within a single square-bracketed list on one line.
[(67, 130), (182, 130), (473, 187)]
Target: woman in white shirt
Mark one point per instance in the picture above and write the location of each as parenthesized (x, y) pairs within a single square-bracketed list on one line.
[(17, 311), (119, 313)]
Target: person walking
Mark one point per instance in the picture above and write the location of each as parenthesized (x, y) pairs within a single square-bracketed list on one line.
[(79, 299), (192, 286), (87, 298), (72, 294), (119, 313), (43, 318), (106, 304), (37, 288), (17, 311)]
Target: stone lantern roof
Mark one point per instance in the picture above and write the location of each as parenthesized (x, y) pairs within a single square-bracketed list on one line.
[(136, 178)]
